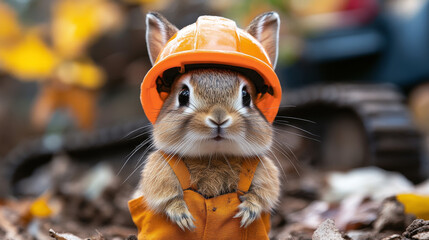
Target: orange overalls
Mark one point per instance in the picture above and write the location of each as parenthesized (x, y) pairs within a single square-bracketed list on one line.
[(213, 216)]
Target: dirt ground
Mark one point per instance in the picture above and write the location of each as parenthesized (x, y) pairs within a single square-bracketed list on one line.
[(85, 202)]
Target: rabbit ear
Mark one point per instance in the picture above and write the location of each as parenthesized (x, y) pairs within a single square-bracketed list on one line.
[(158, 31), (265, 28)]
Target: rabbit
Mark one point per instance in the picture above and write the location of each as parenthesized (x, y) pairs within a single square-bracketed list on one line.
[(210, 121)]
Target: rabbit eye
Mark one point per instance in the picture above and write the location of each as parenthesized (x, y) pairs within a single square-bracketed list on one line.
[(245, 97), (184, 96)]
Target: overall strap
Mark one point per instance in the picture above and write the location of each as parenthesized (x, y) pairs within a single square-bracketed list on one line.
[(248, 169), (180, 169)]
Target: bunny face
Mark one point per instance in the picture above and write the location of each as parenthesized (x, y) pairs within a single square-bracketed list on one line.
[(212, 111)]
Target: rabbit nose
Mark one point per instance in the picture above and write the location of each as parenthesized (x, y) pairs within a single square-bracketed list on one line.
[(215, 123), (218, 123), (218, 118)]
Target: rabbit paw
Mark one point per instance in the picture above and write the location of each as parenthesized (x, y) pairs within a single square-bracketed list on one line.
[(248, 211), (178, 213)]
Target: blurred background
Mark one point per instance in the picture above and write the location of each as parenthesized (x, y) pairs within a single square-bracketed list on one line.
[(355, 77)]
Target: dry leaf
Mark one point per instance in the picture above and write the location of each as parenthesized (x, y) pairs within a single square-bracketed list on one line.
[(417, 205), (63, 236), (69, 236), (40, 208)]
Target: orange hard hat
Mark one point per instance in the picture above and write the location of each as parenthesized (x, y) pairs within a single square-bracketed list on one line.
[(213, 41)]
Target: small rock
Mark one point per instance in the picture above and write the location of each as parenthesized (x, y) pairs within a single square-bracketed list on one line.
[(327, 230)]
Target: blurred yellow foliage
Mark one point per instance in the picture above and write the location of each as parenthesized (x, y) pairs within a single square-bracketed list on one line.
[(77, 22), (310, 7), (69, 76), (415, 204), (29, 58), (9, 26), (82, 73), (140, 1)]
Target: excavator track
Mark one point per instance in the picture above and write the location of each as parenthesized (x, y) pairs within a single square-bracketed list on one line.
[(393, 142), (108, 144)]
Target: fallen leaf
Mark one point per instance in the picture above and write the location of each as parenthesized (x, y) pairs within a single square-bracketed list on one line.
[(63, 236), (391, 216), (40, 208), (417, 205), (419, 230)]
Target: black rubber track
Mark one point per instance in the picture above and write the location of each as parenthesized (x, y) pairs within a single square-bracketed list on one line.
[(394, 142), (26, 157)]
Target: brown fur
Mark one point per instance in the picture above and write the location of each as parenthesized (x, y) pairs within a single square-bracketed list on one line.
[(214, 166), (218, 175)]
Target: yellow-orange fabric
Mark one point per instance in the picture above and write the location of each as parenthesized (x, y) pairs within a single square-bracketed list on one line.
[(213, 217), (212, 40)]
